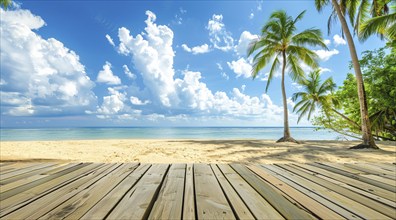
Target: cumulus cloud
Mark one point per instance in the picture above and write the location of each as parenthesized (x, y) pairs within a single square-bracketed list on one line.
[(136, 101), (39, 76), (326, 54), (218, 34), (251, 16), (243, 42), (152, 56), (338, 40), (204, 48), (241, 67), (113, 103), (107, 76), (128, 73), (327, 42), (110, 40)]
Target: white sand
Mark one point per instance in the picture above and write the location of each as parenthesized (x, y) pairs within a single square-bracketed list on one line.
[(193, 151)]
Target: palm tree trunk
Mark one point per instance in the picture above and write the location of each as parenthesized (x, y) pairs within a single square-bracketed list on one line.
[(350, 121), (286, 131), (368, 140)]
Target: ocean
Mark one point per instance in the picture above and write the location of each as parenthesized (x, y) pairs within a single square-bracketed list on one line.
[(264, 133)]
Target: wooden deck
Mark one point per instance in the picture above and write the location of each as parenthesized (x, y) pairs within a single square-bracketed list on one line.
[(197, 191)]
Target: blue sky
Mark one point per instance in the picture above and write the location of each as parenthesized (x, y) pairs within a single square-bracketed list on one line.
[(148, 63)]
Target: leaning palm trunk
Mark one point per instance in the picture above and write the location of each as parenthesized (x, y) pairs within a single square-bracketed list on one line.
[(368, 140)]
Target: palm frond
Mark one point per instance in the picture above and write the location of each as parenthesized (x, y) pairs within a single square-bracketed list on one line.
[(320, 4), (274, 67), (385, 24)]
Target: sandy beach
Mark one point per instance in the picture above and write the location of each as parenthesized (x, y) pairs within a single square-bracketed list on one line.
[(193, 151)]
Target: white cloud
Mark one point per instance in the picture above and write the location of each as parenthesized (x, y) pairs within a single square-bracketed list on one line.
[(110, 40), (296, 86), (112, 104), (243, 87), (186, 48), (224, 75), (327, 42), (128, 73), (290, 102), (218, 35), (22, 18), (204, 48), (251, 16), (259, 6), (323, 70), (152, 55), (107, 76), (338, 40), (241, 67), (45, 76), (219, 66), (136, 101), (326, 54), (243, 42)]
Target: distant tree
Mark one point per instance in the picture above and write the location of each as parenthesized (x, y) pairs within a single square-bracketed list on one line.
[(280, 44)]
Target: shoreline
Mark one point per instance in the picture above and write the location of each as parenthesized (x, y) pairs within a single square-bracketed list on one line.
[(193, 151)]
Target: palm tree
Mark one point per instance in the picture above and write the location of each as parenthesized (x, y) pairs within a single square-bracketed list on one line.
[(317, 95), (340, 10), (314, 94), (280, 45)]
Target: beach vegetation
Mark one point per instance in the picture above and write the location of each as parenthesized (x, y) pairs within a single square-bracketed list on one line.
[(283, 48), (357, 12), (379, 73)]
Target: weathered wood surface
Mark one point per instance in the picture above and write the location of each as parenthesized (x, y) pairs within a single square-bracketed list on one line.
[(197, 191)]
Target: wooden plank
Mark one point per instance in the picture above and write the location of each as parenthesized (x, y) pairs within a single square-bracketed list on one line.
[(308, 188), (378, 209), (189, 194), (351, 184), (15, 167), (386, 166), (48, 202), (38, 174), (259, 207), (239, 207), (169, 204), (388, 181), (3, 164), (46, 185), (371, 169), (210, 200), (106, 204), (282, 205), (312, 205), (19, 173), (19, 190), (80, 203), (358, 210), (137, 203), (357, 177)]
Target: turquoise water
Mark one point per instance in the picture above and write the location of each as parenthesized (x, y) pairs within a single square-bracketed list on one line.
[(266, 133)]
